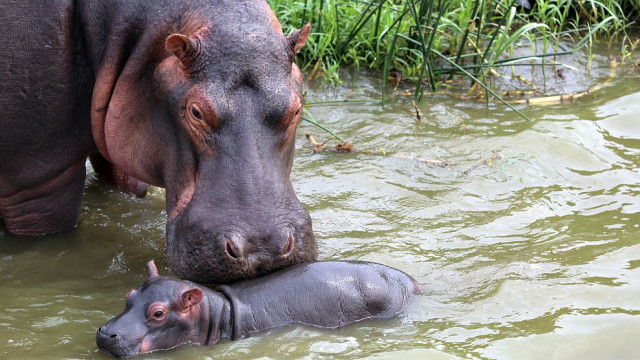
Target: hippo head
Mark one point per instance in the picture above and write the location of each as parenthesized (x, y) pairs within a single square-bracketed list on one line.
[(217, 131), (238, 97), (161, 314)]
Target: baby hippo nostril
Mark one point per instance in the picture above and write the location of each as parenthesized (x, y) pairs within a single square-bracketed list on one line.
[(103, 332), (113, 336)]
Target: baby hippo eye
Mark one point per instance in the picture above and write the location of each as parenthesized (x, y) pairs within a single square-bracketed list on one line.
[(157, 312)]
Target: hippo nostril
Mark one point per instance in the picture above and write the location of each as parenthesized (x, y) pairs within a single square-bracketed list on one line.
[(231, 250), (288, 248), (113, 336)]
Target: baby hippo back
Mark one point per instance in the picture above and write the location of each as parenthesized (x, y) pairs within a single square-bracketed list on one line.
[(323, 294)]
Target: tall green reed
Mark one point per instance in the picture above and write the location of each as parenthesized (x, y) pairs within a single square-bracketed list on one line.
[(429, 41)]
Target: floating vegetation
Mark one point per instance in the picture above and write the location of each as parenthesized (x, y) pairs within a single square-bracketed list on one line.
[(346, 147)]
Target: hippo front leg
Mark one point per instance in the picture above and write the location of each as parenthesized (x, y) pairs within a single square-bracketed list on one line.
[(118, 178), (49, 207)]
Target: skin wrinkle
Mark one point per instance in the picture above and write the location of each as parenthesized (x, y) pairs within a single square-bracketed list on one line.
[(183, 201), (110, 67), (363, 293), (27, 195), (213, 324), (29, 212), (128, 148), (145, 345)]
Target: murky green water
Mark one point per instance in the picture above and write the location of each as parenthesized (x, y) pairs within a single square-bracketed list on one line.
[(532, 255)]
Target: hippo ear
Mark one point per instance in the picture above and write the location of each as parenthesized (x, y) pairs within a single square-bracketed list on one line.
[(153, 270), (190, 298), (182, 46), (298, 38)]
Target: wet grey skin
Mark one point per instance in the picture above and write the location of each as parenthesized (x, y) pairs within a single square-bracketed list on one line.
[(165, 312)]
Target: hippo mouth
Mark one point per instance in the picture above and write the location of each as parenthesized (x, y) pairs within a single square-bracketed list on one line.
[(116, 348), (114, 345), (119, 353)]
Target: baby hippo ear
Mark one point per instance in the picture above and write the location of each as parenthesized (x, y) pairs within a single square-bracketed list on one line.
[(153, 270), (190, 298)]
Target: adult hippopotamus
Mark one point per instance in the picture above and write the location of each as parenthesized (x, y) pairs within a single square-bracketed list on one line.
[(199, 97), (165, 312)]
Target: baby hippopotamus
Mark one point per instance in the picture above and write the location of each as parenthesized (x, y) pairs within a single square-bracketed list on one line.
[(165, 312)]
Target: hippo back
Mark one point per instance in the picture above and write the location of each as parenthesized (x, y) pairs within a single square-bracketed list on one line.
[(322, 294)]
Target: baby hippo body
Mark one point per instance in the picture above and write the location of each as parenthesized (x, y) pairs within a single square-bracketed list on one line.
[(165, 312)]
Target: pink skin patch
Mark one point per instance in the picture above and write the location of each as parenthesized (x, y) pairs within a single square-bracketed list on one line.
[(145, 346), (183, 200)]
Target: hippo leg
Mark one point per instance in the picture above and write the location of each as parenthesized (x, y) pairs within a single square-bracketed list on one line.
[(53, 206), (116, 177)]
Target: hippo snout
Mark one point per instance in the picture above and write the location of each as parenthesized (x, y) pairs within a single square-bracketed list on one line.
[(115, 344), (241, 221), (203, 255)]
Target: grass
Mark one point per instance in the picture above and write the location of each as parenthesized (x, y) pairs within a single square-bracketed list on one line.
[(431, 41)]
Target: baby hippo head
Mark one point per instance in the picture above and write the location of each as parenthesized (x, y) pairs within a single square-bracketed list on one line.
[(161, 314)]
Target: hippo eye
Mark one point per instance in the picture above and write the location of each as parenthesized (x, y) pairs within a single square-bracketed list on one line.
[(157, 312), (195, 111)]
